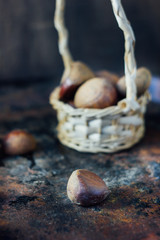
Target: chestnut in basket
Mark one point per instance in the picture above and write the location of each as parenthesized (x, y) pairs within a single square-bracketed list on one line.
[(95, 93), (111, 77), (79, 73), (18, 142), (143, 80)]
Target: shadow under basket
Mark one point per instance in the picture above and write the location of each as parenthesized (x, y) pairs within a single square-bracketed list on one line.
[(100, 130)]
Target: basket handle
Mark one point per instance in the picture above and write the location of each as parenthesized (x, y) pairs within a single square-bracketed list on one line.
[(129, 58), (62, 34)]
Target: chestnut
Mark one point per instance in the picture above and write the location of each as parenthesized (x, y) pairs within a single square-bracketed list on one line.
[(86, 188), (95, 93), (111, 77), (142, 80), (19, 142), (79, 72)]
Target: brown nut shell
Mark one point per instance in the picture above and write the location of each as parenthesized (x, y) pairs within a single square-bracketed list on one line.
[(86, 188), (79, 73), (111, 77), (19, 142), (95, 93), (143, 80)]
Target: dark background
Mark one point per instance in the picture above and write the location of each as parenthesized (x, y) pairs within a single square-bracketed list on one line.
[(28, 40)]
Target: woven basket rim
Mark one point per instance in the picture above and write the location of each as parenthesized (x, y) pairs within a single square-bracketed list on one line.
[(118, 107)]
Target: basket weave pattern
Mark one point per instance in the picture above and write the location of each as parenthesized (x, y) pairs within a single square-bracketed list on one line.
[(101, 130), (105, 130)]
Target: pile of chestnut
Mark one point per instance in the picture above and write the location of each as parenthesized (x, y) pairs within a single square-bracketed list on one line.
[(82, 88)]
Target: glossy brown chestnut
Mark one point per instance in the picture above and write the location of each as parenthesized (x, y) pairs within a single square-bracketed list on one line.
[(19, 142), (143, 80), (86, 188), (95, 93), (79, 73)]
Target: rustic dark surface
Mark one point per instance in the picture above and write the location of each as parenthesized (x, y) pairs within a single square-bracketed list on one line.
[(33, 201)]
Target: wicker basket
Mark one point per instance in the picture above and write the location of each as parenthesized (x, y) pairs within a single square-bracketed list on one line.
[(101, 130)]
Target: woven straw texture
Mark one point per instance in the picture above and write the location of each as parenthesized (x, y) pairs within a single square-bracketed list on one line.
[(101, 130)]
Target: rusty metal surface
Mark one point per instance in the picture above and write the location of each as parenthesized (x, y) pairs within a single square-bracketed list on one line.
[(33, 200)]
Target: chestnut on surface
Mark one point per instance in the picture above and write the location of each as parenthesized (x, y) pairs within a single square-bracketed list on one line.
[(79, 73), (142, 80), (95, 93), (19, 142), (86, 188)]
